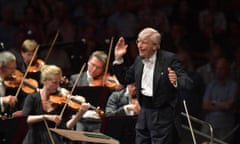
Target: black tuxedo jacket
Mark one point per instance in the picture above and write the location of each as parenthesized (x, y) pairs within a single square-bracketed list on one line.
[(164, 93)]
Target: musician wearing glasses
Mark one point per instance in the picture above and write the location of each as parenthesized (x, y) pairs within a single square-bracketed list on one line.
[(7, 67)]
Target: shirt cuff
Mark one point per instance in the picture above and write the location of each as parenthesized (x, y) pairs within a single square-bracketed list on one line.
[(176, 84), (117, 62)]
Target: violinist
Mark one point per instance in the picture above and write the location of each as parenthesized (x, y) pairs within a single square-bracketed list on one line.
[(93, 76), (40, 109), (7, 67), (25, 55), (123, 102)]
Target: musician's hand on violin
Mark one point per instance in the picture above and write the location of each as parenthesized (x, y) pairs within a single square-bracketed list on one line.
[(11, 100), (84, 107), (120, 49)]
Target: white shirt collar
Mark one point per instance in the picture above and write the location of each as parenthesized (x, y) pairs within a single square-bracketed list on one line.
[(150, 60), (89, 77)]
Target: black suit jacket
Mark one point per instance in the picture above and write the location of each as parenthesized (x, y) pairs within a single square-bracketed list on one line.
[(164, 93)]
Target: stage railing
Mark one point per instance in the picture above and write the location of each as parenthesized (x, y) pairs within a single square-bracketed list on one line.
[(210, 137), (202, 123)]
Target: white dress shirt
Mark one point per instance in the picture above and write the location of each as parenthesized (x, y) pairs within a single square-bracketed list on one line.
[(147, 76)]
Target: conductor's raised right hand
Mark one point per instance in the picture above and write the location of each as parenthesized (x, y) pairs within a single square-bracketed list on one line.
[(120, 49)]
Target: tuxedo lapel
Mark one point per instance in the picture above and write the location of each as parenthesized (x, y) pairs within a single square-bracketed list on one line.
[(158, 71), (139, 72)]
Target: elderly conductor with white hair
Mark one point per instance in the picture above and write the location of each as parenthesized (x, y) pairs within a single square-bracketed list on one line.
[(158, 75)]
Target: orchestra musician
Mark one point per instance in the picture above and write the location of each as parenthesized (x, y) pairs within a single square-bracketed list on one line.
[(42, 113), (7, 67), (93, 76), (123, 103), (24, 57)]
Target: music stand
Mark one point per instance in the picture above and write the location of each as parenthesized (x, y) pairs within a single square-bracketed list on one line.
[(121, 128), (13, 130), (85, 136)]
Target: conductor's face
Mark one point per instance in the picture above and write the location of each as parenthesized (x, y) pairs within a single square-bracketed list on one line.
[(146, 47), (95, 67)]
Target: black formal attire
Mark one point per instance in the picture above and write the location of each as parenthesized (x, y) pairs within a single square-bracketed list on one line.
[(156, 120), (37, 133)]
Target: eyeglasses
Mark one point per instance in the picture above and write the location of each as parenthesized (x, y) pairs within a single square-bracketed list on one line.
[(94, 65)]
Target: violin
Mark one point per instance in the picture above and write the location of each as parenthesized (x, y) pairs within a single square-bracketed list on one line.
[(36, 66), (107, 80), (73, 102), (29, 85)]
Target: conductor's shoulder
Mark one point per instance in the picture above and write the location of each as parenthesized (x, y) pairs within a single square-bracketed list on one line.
[(166, 53)]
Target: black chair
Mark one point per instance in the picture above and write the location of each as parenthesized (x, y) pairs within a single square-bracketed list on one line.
[(13, 130)]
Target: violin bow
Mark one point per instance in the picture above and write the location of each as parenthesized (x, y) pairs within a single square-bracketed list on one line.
[(49, 133), (26, 72), (73, 88), (107, 62), (97, 109), (51, 47)]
